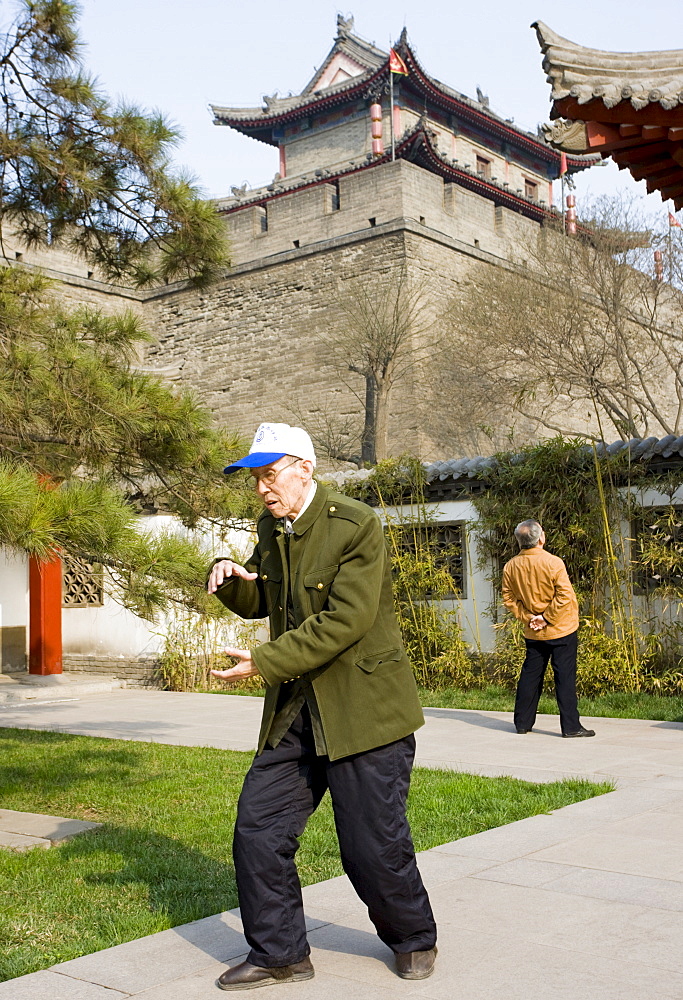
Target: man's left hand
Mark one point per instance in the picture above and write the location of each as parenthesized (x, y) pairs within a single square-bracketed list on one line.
[(245, 668), (537, 622)]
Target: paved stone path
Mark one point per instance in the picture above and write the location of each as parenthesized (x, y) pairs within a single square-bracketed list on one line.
[(586, 901)]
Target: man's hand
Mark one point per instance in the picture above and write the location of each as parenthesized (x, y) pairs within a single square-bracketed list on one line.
[(537, 622), (245, 668), (223, 570)]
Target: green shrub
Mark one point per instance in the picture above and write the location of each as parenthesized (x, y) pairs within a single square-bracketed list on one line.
[(193, 647)]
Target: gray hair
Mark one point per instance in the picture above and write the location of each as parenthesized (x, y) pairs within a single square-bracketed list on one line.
[(528, 534)]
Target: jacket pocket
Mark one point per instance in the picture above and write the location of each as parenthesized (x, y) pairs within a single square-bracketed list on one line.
[(272, 585), (317, 586), (318, 579), (368, 663)]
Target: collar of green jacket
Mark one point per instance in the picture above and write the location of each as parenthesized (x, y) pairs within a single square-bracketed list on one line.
[(304, 522)]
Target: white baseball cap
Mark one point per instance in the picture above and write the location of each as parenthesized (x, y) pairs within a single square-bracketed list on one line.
[(274, 441)]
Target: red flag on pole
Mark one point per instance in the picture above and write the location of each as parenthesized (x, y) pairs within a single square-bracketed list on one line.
[(396, 64), (563, 164), (673, 221)]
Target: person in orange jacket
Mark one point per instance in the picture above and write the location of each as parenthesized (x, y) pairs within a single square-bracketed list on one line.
[(538, 592)]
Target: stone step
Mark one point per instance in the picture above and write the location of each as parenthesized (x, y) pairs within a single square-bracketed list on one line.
[(54, 687)]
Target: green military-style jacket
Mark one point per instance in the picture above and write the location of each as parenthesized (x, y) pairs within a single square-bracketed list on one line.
[(347, 641)]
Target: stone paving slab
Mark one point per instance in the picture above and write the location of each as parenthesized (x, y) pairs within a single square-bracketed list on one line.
[(20, 842), (209, 720), (50, 985), (51, 828)]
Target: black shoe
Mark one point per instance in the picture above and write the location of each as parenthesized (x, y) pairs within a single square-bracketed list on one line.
[(416, 964), (246, 976), (579, 732), (521, 732)]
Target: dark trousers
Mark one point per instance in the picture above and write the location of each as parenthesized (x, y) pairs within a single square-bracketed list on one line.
[(562, 654), (368, 790)]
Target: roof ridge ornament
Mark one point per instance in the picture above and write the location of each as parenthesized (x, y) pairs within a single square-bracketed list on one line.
[(344, 26)]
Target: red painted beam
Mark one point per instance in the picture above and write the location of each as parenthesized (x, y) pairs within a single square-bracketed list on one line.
[(621, 114), (45, 617), (658, 182), (648, 151)]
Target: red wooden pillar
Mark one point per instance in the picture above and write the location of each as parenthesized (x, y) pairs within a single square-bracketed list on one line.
[(45, 621)]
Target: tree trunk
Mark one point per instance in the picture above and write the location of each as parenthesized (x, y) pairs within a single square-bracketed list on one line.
[(382, 420), (367, 446)]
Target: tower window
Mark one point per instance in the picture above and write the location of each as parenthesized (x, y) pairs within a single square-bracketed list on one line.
[(530, 190), (262, 218), (483, 168)]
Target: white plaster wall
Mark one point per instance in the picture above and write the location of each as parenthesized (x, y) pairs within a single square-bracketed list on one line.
[(13, 589), (113, 630)]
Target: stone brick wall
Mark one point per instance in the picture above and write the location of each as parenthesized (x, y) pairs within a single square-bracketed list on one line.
[(141, 673), (257, 345), (76, 283), (328, 146), (371, 197)]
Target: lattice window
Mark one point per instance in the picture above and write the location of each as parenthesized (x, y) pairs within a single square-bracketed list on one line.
[(660, 528), (446, 540), (82, 583), (449, 539)]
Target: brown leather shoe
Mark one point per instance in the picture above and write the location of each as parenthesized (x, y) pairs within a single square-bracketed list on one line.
[(416, 964), (246, 976)]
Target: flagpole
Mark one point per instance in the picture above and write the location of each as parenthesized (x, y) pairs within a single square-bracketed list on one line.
[(391, 108), (564, 220)]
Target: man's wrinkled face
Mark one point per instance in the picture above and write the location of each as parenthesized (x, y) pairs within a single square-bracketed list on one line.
[(283, 486)]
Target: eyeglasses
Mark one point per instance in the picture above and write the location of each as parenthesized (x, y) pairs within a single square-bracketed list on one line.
[(268, 478)]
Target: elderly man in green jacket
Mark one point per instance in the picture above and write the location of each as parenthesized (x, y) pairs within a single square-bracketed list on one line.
[(340, 711)]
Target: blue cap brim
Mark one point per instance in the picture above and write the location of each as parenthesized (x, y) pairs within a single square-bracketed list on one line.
[(254, 460)]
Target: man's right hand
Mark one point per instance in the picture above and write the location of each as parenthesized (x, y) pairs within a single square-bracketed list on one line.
[(537, 622), (223, 570)]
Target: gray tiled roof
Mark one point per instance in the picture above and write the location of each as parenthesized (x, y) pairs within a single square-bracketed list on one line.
[(586, 74), (461, 469), (643, 449)]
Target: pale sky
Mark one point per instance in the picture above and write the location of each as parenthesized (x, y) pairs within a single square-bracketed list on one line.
[(180, 55)]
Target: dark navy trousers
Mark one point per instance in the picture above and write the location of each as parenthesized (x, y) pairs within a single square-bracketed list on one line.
[(281, 790), (562, 654)]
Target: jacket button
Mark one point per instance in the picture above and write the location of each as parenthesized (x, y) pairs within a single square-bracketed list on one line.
[(320, 586), (332, 510), (264, 576)]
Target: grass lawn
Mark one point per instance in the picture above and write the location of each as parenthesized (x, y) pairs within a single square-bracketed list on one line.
[(162, 856), (616, 705)]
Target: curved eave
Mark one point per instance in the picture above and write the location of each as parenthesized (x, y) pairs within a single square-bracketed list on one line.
[(314, 104), (428, 87), (639, 81), (419, 149)]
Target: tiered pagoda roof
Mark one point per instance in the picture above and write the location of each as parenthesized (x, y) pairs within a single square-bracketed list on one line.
[(627, 105), (355, 69)]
